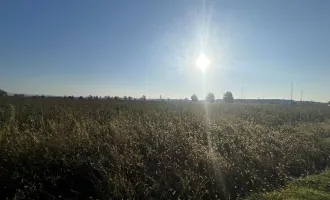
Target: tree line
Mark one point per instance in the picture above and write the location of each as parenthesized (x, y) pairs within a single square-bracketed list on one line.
[(210, 98)]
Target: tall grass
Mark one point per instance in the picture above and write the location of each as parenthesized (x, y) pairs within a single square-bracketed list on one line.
[(314, 187), (60, 149)]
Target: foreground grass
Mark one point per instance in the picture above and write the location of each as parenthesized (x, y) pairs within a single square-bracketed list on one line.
[(71, 149), (314, 187)]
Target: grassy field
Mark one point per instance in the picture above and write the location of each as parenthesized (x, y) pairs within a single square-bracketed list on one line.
[(316, 187), (99, 149)]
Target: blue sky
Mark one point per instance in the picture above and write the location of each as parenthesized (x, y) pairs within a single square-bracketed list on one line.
[(82, 47)]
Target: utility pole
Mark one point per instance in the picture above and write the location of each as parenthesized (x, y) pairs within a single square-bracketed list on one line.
[(242, 94), (291, 91)]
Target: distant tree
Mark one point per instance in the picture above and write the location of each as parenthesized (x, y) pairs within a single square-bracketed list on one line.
[(130, 98), (107, 97), (228, 97), (116, 98), (71, 97), (194, 98), (3, 93), (186, 99), (210, 98), (42, 96), (125, 97), (143, 98), (81, 97)]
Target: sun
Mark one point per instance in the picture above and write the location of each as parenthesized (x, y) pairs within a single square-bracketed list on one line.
[(202, 62)]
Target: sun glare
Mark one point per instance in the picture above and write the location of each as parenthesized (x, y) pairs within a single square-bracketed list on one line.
[(202, 62)]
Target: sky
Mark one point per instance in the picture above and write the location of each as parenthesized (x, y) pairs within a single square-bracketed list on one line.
[(256, 48)]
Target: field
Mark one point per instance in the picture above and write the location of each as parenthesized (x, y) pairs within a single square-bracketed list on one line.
[(106, 149), (316, 187)]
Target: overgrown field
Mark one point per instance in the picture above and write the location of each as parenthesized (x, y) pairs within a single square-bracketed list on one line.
[(98, 149)]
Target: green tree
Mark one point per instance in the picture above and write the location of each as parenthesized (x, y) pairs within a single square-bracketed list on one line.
[(210, 98), (194, 98), (228, 97), (3, 93), (81, 97), (143, 98)]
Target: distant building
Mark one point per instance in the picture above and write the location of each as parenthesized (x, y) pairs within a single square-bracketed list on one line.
[(267, 101), (3, 93), (19, 95)]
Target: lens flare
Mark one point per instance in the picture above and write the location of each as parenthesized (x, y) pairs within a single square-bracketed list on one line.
[(202, 62)]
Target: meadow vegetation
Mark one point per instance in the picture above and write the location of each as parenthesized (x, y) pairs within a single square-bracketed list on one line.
[(316, 187), (107, 149)]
